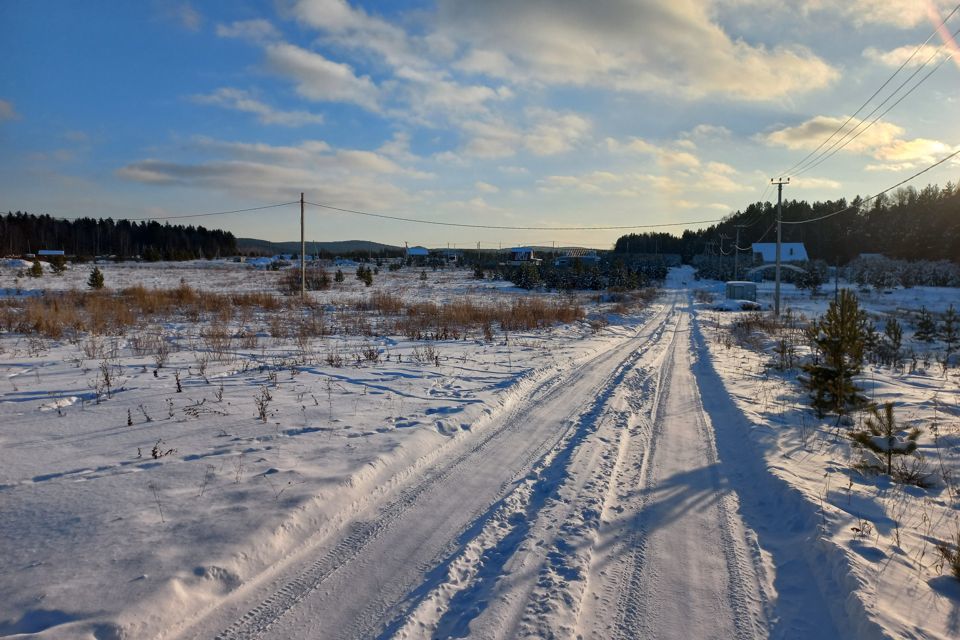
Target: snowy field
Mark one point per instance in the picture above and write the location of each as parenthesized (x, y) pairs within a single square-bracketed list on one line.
[(624, 475)]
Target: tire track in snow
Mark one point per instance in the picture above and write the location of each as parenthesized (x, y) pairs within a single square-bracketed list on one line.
[(260, 618), (657, 559), (516, 527)]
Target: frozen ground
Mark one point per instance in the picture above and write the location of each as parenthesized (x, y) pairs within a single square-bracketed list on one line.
[(646, 480)]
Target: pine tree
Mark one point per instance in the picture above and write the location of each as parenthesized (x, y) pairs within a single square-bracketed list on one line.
[(881, 435), (36, 269), (338, 276), (95, 281), (926, 327), (840, 341), (892, 341), (367, 277), (58, 264), (949, 331)]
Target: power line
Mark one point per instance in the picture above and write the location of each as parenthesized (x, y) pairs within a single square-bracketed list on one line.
[(875, 93), (508, 228), (877, 195), (833, 149)]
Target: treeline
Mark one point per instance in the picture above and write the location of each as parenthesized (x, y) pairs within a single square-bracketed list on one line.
[(22, 233), (907, 224)]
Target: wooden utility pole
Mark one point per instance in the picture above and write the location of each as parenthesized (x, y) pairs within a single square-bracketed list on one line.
[(776, 291), (736, 254), (303, 252)]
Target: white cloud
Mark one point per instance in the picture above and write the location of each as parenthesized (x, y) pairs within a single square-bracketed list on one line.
[(548, 133), (253, 30), (918, 150), (904, 14), (485, 187), (351, 177), (321, 79), (808, 135), (240, 100), (554, 132), (355, 28), (312, 154), (710, 132), (883, 141), (672, 48), (398, 148), (633, 145), (7, 112), (182, 13), (430, 95), (491, 139), (909, 54), (804, 182)]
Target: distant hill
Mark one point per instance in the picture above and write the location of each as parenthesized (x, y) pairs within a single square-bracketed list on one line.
[(337, 247)]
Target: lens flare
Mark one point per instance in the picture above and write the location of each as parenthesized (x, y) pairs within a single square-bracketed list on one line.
[(950, 44)]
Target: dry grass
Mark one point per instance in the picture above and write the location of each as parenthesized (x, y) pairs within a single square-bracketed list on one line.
[(462, 316), (136, 311), (105, 313)]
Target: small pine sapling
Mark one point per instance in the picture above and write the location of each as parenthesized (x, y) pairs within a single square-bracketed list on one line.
[(926, 327), (881, 436), (892, 341), (95, 281), (840, 341), (949, 331)]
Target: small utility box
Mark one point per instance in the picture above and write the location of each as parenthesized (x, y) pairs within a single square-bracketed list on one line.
[(740, 290)]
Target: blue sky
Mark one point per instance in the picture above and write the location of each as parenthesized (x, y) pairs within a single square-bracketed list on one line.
[(534, 113)]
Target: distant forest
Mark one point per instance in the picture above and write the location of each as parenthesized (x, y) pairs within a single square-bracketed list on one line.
[(22, 233), (907, 224)]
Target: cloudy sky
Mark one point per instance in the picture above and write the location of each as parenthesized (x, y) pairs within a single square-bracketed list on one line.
[(500, 112)]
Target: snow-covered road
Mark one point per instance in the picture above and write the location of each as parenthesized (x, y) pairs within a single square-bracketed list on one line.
[(596, 506)]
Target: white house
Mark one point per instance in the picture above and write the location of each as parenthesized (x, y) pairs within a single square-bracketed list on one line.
[(523, 255), (789, 251)]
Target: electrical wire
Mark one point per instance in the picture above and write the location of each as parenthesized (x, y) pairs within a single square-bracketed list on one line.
[(875, 93), (508, 228), (877, 195), (833, 149)]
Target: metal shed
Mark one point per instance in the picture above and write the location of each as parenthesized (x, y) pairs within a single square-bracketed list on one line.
[(741, 290)]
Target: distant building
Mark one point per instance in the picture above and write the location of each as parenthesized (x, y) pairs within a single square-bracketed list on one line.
[(741, 290), (50, 252), (417, 256), (587, 259), (789, 252), (523, 255), (451, 256)]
